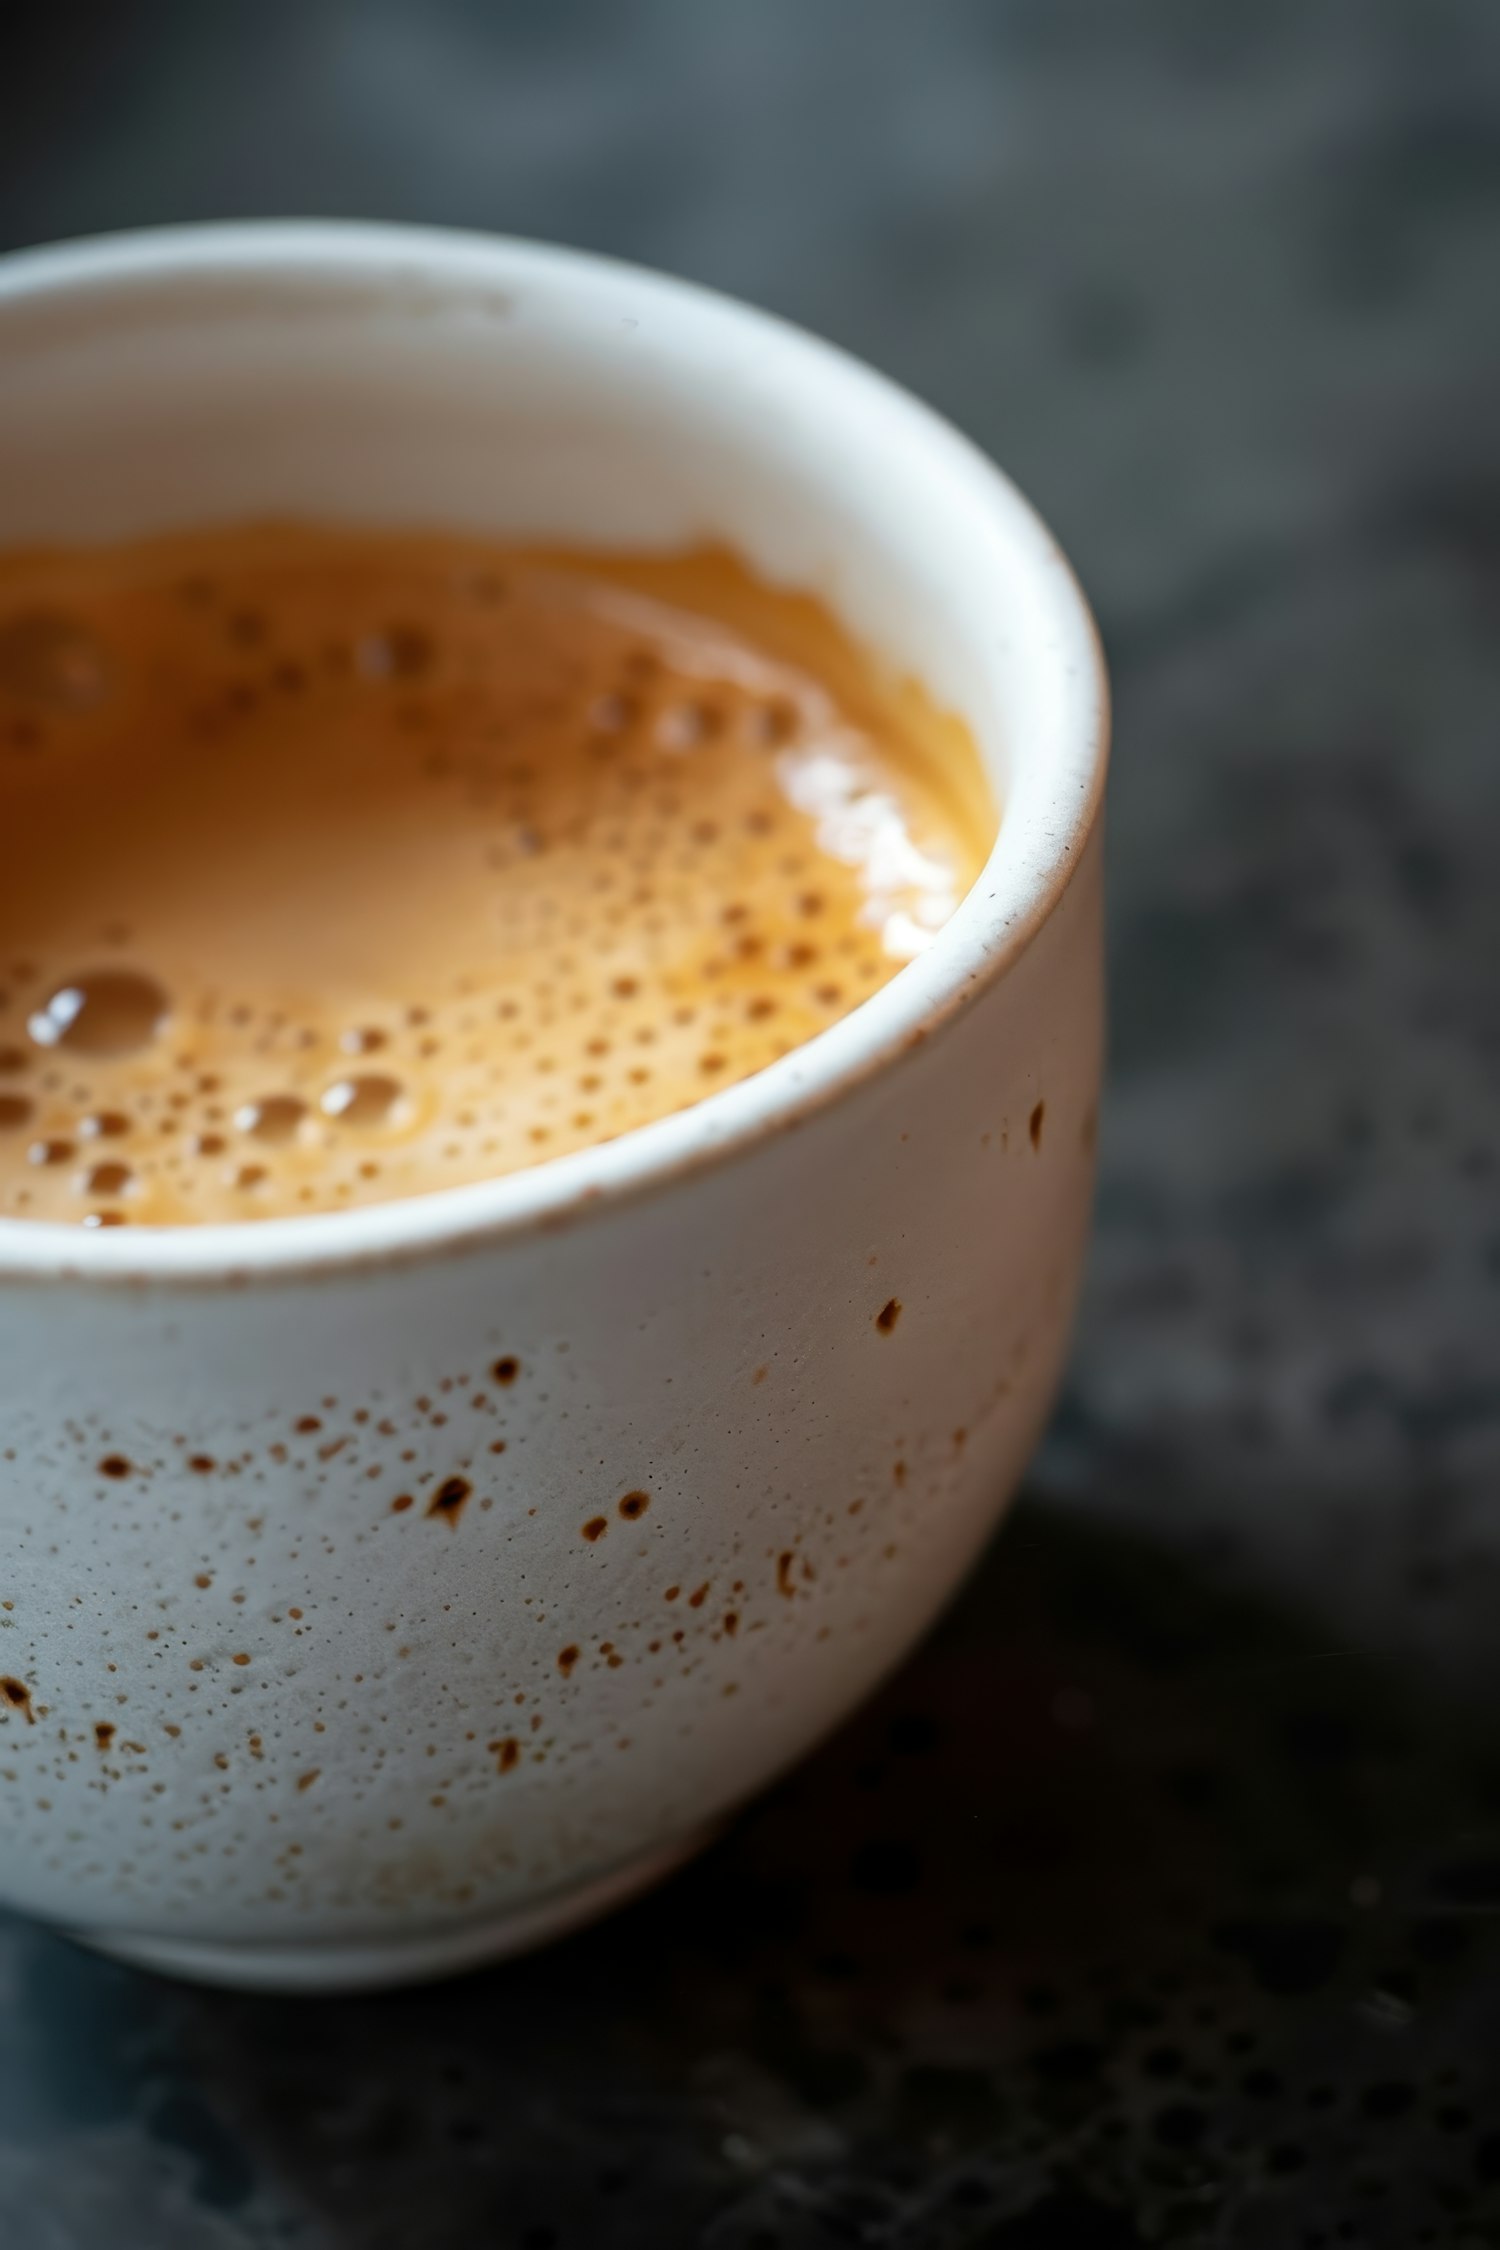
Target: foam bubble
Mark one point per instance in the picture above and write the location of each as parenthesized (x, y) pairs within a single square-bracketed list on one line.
[(368, 1098), (51, 661), (271, 1117), (107, 1179), (101, 1012), (398, 652)]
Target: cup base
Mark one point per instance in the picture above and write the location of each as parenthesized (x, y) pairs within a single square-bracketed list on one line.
[(377, 1964)]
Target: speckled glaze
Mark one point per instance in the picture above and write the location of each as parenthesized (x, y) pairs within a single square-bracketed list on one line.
[(385, 1590)]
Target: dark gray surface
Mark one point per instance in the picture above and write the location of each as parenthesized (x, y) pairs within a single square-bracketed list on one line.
[(1160, 1900)]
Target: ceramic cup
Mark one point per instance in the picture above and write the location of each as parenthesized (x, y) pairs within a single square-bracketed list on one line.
[(728, 1404)]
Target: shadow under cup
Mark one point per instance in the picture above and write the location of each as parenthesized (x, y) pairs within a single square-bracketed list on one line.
[(255, 1724)]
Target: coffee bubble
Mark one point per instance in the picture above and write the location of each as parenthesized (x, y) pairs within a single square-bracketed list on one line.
[(397, 652), (107, 1179), (50, 661), (273, 1118), (101, 1012), (367, 1099)]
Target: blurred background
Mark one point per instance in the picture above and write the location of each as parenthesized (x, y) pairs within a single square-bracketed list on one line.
[(1159, 1901)]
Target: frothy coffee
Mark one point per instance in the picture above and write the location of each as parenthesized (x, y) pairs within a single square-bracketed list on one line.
[(340, 866)]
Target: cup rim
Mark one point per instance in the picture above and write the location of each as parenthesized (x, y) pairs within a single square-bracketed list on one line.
[(1020, 884)]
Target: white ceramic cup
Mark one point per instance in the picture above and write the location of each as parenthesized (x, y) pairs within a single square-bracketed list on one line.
[(258, 1727)]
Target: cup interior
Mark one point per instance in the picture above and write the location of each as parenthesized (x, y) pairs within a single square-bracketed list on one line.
[(396, 377)]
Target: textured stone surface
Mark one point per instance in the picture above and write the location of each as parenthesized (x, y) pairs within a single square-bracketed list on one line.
[(1159, 1901)]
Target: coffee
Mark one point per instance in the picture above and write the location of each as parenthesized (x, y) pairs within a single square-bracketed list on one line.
[(341, 866)]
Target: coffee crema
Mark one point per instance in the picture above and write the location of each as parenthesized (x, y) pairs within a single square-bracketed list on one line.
[(337, 866)]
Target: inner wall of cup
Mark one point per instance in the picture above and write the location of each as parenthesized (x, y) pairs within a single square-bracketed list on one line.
[(582, 404)]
